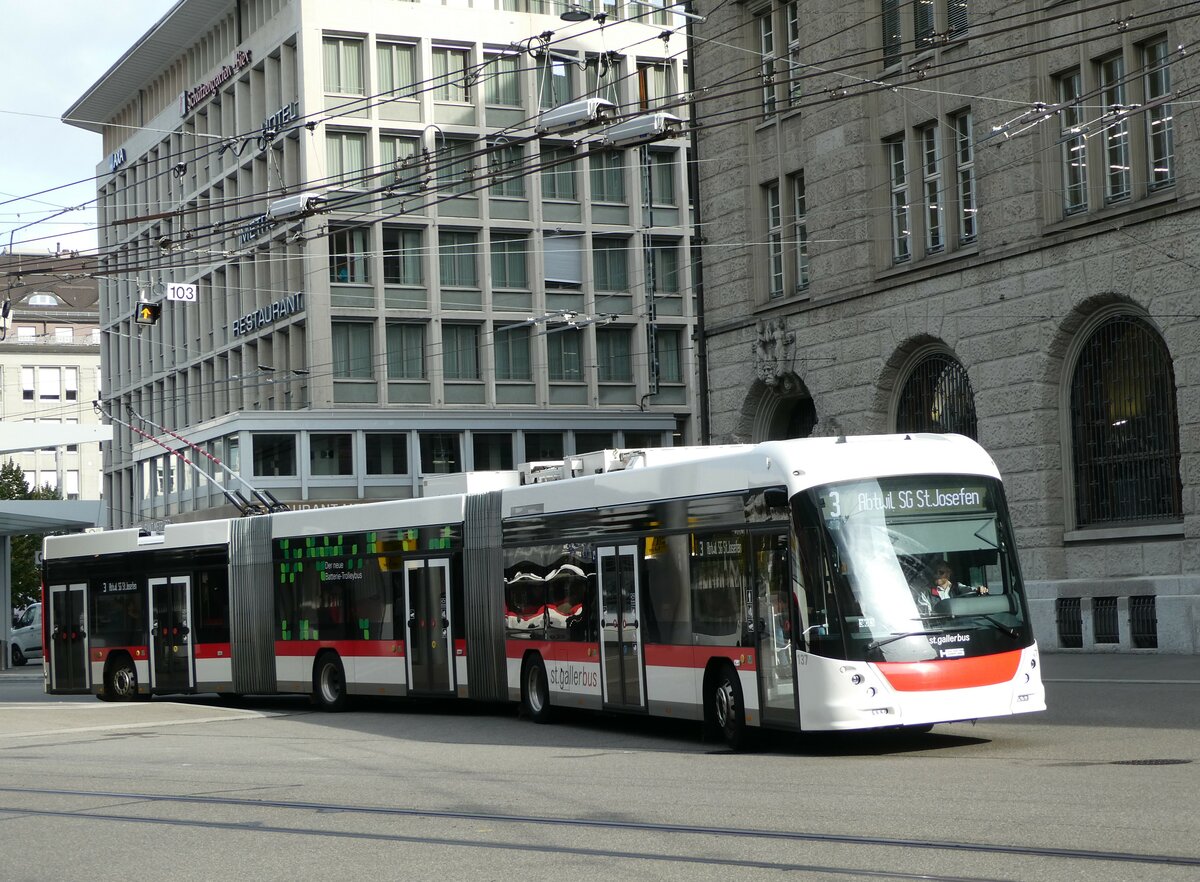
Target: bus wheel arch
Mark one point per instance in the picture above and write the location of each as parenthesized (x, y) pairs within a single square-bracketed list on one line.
[(724, 704), (329, 691), (120, 678), (535, 688)]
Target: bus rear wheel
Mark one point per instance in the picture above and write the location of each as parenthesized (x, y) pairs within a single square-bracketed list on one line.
[(725, 711), (329, 683), (535, 690), (120, 680)]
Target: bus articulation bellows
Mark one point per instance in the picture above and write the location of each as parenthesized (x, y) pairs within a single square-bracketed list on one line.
[(789, 584)]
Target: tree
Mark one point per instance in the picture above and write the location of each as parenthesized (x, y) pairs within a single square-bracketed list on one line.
[(26, 578)]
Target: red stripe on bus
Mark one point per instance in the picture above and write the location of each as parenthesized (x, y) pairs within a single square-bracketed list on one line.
[(951, 673), (657, 654), (351, 648), (211, 650)]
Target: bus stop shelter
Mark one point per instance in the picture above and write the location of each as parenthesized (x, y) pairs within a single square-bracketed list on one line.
[(19, 516)]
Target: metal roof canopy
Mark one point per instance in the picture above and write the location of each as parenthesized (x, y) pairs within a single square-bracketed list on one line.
[(20, 516)]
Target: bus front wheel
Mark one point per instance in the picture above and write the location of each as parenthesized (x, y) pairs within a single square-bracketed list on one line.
[(329, 683), (535, 690), (725, 711)]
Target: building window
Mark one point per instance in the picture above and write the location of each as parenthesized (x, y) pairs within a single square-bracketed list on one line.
[(330, 455), (663, 267), (799, 232), (901, 234), (405, 351), (502, 86), (793, 75), (604, 76), (931, 180), (440, 453), (558, 174), (563, 257), (458, 253), (668, 344), (608, 175), (1122, 102), (450, 75), (614, 362), (64, 335), (1116, 134), (1160, 138), (387, 453), (510, 346), (774, 240), (274, 455), (766, 53), (348, 256), (543, 446), (555, 86), (28, 387), (397, 157), (944, 154), (402, 256), (937, 397), (397, 64), (455, 166), (892, 36), (346, 157), (659, 178), (460, 352), (493, 451), (49, 384), (509, 252), (964, 161), (343, 65), (610, 264), (562, 355), (655, 85), (1124, 427), (506, 164), (1073, 140), (353, 350)]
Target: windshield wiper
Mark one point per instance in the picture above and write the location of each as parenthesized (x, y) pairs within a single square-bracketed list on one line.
[(1007, 630), (900, 636)]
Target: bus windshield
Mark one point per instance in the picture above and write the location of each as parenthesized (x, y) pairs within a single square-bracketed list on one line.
[(913, 569)]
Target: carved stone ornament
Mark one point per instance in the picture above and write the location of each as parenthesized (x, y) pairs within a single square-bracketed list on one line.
[(774, 353)]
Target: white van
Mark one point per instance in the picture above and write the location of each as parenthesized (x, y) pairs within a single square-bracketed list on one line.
[(27, 635)]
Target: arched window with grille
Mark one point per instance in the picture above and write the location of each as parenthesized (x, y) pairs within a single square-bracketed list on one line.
[(1124, 427), (937, 397)]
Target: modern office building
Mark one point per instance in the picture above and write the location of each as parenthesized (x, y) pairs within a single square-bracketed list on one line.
[(373, 253), (977, 218), (50, 367)]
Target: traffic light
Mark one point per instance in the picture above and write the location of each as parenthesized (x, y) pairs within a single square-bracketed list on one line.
[(147, 313)]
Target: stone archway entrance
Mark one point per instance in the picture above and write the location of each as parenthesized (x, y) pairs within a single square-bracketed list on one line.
[(783, 411)]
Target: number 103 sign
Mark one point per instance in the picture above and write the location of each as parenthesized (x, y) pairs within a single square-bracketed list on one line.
[(185, 293)]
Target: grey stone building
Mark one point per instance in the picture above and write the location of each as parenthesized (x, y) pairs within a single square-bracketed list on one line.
[(974, 217)]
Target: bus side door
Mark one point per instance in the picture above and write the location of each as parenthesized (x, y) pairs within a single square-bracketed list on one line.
[(67, 626), (172, 666), (621, 660)]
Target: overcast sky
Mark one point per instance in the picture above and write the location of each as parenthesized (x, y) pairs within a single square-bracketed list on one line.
[(52, 52)]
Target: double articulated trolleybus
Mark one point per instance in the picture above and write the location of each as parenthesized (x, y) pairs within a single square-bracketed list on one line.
[(789, 585)]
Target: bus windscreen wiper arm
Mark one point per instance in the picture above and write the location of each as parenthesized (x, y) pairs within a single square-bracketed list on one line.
[(886, 640)]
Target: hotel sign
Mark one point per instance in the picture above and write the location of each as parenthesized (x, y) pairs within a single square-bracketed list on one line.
[(190, 99)]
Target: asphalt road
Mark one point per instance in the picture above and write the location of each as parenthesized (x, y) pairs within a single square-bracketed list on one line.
[(1101, 787)]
